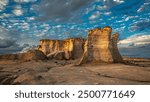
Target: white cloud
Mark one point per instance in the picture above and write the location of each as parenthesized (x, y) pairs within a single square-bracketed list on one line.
[(24, 1), (144, 6), (101, 7), (30, 18), (95, 15), (142, 24), (110, 3), (3, 4), (127, 19), (26, 47), (6, 15), (136, 40), (57, 26), (18, 10), (107, 13), (119, 1), (135, 46), (25, 26), (120, 21), (89, 9), (107, 4), (119, 29), (39, 35)]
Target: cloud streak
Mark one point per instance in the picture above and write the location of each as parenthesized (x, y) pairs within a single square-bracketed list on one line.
[(135, 46), (4, 43), (3, 4), (136, 40), (141, 25)]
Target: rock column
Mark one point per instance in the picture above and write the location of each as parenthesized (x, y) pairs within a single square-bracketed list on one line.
[(116, 55), (101, 47)]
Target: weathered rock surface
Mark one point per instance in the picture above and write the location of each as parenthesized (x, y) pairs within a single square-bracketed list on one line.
[(101, 47), (48, 46), (116, 55), (64, 49), (63, 72)]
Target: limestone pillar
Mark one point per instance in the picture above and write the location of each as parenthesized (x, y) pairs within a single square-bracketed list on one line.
[(116, 55), (100, 47)]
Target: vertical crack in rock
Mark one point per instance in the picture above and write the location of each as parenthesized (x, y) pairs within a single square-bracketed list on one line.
[(62, 49)]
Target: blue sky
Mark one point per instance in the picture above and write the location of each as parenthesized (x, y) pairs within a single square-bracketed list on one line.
[(24, 22)]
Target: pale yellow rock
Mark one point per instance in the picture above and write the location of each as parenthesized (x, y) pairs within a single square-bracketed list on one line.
[(100, 47), (73, 47)]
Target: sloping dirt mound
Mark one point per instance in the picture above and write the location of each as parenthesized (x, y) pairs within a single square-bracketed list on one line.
[(27, 56), (9, 57), (32, 55)]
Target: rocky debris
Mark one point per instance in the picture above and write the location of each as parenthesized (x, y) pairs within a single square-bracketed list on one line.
[(58, 55), (101, 47), (27, 56), (64, 49)]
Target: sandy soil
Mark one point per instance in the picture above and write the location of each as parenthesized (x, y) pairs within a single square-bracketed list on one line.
[(53, 72)]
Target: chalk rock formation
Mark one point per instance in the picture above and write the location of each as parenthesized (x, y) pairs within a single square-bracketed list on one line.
[(116, 55), (47, 46), (100, 47), (73, 48), (63, 49)]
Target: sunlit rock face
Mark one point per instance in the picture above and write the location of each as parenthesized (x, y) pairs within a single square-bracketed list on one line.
[(47, 46), (62, 49), (101, 47), (32, 55)]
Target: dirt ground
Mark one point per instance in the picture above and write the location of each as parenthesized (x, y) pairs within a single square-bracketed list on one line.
[(54, 72)]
